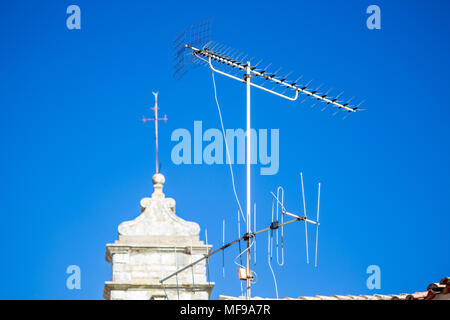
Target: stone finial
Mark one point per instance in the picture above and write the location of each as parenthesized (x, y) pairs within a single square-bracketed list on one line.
[(158, 182), (158, 222)]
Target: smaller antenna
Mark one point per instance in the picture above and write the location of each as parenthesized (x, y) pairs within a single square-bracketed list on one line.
[(304, 218), (244, 275)]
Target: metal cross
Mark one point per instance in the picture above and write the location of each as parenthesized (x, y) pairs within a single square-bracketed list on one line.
[(156, 119)]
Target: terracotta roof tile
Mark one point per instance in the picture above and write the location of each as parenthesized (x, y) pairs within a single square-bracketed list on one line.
[(445, 280), (438, 291)]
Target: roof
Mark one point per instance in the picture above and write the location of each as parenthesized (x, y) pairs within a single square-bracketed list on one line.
[(435, 291)]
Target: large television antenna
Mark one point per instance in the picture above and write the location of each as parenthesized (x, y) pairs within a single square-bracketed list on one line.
[(234, 65)]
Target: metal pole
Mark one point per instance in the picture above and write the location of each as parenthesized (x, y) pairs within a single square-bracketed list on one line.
[(248, 281)]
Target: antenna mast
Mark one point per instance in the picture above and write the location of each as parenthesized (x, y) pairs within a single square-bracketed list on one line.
[(249, 277), (203, 51)]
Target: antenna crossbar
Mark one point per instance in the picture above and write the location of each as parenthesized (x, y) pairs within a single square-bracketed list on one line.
[(303, 218), (246, 236)]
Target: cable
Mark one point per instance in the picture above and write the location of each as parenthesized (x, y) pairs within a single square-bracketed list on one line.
[(232, 175), (226, 147), (238, 264)]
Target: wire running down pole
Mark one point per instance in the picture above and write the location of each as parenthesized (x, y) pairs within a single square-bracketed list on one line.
[(247, 78)]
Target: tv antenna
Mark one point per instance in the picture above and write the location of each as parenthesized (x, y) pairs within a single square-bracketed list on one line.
[(194, 45), (156, 119)]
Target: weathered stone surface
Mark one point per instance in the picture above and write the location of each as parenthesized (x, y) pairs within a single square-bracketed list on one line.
[(152, 246)]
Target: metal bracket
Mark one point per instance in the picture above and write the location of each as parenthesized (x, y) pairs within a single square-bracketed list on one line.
[(274, 225)]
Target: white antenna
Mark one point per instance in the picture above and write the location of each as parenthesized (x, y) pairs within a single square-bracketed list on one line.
[(208, 53)]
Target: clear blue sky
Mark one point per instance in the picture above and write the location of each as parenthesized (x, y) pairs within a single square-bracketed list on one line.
[(76, 158)]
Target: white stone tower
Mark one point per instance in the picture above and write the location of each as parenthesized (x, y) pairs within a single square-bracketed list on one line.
[(152, 246)]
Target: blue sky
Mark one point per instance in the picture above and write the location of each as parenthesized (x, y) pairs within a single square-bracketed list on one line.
[(76, 158)]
